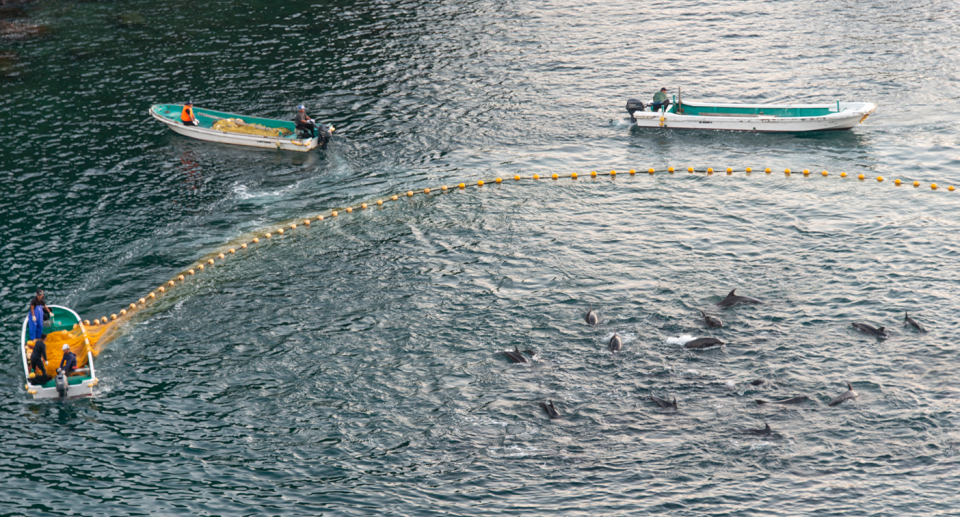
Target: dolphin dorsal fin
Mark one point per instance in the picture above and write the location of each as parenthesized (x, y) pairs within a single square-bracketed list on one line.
[(674, 401), (906, 315), (732, 293), (767, 428), (515, 349), (849, 387), (882, 329)]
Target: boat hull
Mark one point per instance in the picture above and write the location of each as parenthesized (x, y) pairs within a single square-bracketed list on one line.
[(847, 116), (225, 137), (83, 388)]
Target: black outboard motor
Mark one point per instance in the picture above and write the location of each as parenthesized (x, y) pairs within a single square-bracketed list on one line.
[(324, 133), (634, 105), (62, 383)]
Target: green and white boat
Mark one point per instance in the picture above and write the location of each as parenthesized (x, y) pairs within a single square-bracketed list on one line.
[(64, 328), (751, 117), (231, 128)]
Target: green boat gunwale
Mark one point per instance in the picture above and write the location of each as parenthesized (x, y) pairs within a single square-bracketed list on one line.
[(172, 113)]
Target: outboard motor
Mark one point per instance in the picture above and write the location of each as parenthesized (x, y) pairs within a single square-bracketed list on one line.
[(634, 105), (324, 133), (62, 385)]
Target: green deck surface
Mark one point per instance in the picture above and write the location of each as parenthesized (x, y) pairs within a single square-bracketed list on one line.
[(706, 111), (172, 112)]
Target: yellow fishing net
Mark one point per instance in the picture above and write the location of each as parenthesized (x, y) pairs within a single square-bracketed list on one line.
[(80, 342), (236, 125)]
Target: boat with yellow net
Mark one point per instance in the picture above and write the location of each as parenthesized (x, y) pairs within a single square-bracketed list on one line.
[(84, 340), (230, 128)]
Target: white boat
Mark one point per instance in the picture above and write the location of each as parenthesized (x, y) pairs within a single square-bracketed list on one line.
[(242, 130), (65, 328), (752, 117)]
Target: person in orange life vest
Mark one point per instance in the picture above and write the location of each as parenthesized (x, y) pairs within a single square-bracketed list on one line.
[(186, 116)]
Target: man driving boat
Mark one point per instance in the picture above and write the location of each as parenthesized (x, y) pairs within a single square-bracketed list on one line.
[(660, 100)]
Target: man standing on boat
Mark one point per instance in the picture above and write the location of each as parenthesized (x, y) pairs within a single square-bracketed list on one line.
[(186, 116), (38, 359), (660, 100)]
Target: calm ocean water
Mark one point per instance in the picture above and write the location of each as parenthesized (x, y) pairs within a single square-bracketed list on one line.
[(355, 368)]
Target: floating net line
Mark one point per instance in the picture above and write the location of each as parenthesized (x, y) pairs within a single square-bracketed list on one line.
[(102, 330)]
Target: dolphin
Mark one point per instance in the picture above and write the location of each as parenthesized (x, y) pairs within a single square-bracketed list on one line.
[(847, 395), (870, 329), (551, 410), (616, 344), (757, 382), (703, 342), (732, 299), (664, 403), (592, 318), (516, 357), (711, 321), (766, 431), (907, 320), (794, 400)]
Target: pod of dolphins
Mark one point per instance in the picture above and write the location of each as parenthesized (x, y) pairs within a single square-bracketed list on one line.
[(616, 345)]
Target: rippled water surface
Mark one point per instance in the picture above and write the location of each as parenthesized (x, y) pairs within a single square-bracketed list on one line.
[(355, 367)]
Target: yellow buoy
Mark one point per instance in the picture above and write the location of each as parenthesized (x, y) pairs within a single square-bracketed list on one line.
[(269, 236), (280, 231), (379, 202), (749, 170), (221, 256), (950, 188), (879, 178), (709, 170), (210, 262), (498, 180), (843, 174), (162, 289), (462, 186), (729, 170), (306, 222), (334, 213), (767, 170), (152, 295), (536, 176), (319, 218), (824, 174), (555, 176), (933, 186), (113, 316), (234, 251), (896, 182), (96, 322), (670, 170), (480, 183), (409, 193), (425, 191), (916, 183), (632, 171), (517, 177), (191, 272), (689, 169), (200, 267), (786, 171), (861, 176), (613, 173), (134, 306), (349, 210), (123, 312), (806, 172), (180, 278), (650, 170), (171, 283), (293, 226), (87, 322), (574, 175), (394, 198), (593, 174), (443, 187)]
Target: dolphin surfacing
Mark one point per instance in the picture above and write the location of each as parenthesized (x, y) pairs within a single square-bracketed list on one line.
[(794, 400), (711, 321), (766, 431), (907, 320), (664, 403), (732, 299), (551, 410), (616, 344), (516, 357), (591, 318), (845, 396), (703, 342), (870, 329)]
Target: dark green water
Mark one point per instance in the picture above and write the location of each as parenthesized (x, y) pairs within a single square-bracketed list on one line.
[(354, 368)]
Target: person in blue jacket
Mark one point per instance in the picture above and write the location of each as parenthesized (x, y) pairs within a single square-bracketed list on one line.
[(35, 320)]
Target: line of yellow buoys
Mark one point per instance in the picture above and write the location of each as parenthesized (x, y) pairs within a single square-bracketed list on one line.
[(281, 229)]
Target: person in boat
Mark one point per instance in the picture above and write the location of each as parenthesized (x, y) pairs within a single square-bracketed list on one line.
[(304, 123), (660, 100), (69, 361), (35, 319), (40, 299), (38, 359), (186, 115)]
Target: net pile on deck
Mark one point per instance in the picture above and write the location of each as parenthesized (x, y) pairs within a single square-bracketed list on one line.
[(88, 339), (237, 125)]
